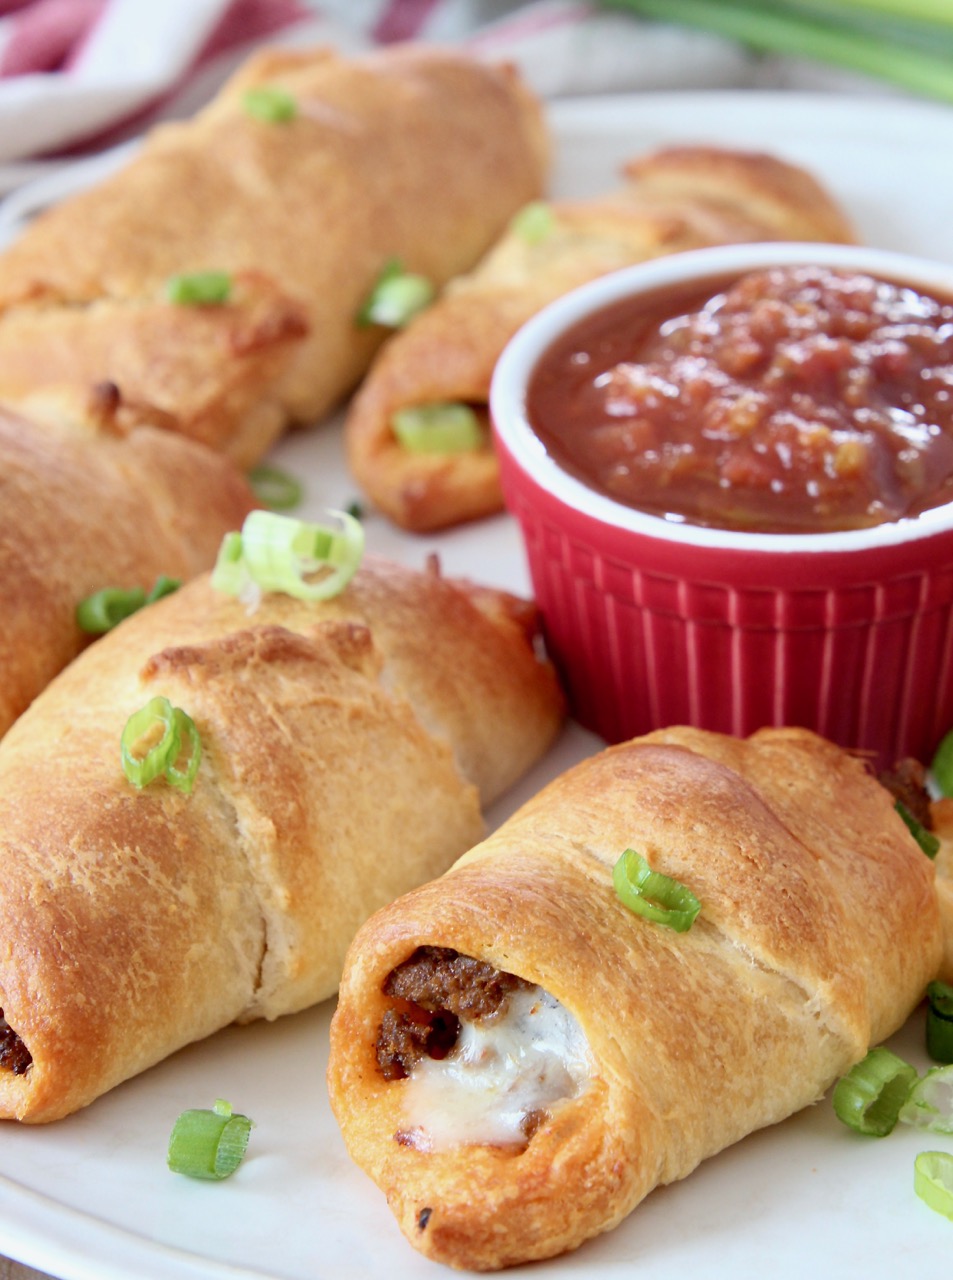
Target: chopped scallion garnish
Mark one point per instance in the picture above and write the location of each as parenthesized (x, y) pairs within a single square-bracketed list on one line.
[(927, 841), (929, 1104), (443, 427), (933, 1180), (270, 103), (278, 553), (652, 894), (940, 1021), (534, 222), (397, 296), (869, 1097), (275, 488), (209, 1143), (199, 289), (160, 740), (105, 609)]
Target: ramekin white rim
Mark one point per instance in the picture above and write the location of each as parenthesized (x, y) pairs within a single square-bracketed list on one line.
[(510, 377)]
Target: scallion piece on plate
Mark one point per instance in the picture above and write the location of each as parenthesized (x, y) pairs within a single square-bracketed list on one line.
[(149, 741), (651, 894), (209, 1143), (275, 488), (278, 553), (533, 223), (270, 103), (397, 296), (199, 289), (869, 1097), (163, 586), (933, 1180), (927, 841), (105, 609), (940, 1021), (930, 1102), (441, 427)]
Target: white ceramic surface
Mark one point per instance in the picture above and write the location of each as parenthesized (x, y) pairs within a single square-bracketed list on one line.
[(91, 1199)]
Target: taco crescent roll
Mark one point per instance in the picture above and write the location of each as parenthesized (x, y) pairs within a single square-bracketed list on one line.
[(80, 516), (440, 365), (344, 750), (518, 1057), (289, 193)]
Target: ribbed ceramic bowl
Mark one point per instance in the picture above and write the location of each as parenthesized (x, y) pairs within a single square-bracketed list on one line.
[(654, 623)]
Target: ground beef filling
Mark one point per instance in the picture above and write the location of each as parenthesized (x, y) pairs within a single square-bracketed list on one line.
[(907, 783), (14, 1055), (431, 991)]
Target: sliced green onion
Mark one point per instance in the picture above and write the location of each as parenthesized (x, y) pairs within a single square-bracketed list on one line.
[(182, 768), (933, 1180), (930, 1102), (651, 894), (275, 488), (199, 289), (355, 510), (534, 222), (158, 740), (942, 765), (940, 1021), (905, 41), (209, 1143), (870, 1096), (927, 841), (442, 427), (278, 553), (105, 609), (149, 741), (270, 103), (397, 296)]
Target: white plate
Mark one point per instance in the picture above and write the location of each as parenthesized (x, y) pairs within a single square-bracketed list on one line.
[(90, 1198)]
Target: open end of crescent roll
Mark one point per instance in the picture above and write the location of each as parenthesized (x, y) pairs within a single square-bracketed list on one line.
[(484, 1054), (15, 1057)]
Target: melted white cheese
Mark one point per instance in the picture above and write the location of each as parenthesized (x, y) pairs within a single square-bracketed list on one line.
[(499, 1071)]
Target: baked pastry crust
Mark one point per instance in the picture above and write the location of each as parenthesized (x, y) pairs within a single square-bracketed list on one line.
[(347, 748), (414, 153), (77, 515), (818, 932), (674, 199)]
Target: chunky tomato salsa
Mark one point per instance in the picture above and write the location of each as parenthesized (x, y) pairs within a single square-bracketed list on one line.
[(795, 399)]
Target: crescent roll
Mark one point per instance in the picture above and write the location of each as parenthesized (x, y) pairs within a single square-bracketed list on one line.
[(674, 199), (79, 515), (415, 154), (346, 750), (517, 1058)]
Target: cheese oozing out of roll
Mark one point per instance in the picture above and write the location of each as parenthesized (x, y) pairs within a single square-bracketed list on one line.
[(510, 1061)]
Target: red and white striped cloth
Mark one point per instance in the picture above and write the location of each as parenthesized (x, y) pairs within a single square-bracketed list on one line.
[(78, 75)]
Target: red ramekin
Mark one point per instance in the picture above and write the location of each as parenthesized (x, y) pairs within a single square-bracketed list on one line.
[(653, 623)]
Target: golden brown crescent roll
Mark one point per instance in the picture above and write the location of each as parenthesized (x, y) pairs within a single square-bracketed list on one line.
[(517, 1058), (347, 748), (79, 515), (674, 199), (413, 153)]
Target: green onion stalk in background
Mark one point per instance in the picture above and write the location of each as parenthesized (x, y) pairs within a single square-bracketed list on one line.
[(907, 42)]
